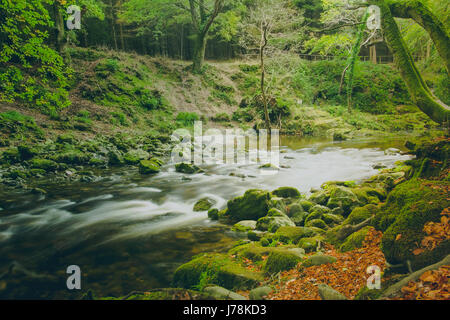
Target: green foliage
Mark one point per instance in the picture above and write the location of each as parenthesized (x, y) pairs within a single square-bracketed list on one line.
[(187, 118), (221, 117), (376, 88), (150, 100), (30, 71), (13, 122), (118, 117)]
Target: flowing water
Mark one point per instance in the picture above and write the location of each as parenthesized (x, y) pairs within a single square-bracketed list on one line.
[(129, 232)]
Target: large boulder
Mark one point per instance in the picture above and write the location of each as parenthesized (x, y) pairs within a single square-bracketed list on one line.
[(255, 251), (289, 234), (355, 240), (310, 244), (317, 223), (409, 207), (332, 219), (223, 271), (320, 197), (149, 167), (274, 220), (135, 155), (253, 205), (316, 212), (281, 261), (245, 225), (359, 214), (286, 192), (342, 197)]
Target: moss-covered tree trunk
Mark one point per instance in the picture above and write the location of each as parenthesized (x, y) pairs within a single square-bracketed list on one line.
[(199, 52), (417, 88), (202, 21), (416, 10)]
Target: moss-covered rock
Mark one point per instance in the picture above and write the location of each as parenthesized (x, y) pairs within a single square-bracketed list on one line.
[(342, 197), (355, 240), (286, 192), (368, 195), (245, 225), (203, 204), (328, 293), (332, 219), (220, 293), (288, 234), (272, 223), (188, 168), (280, 261), (149, 167), (253, 205), (294, 209), (44, 164), (306, 205), (320, 197), (318, 259), (73, 157), (278, 203), (255, 235), (316, 212), (115, 158), (318, 223), (310, 244), (359, 214), (409, 207), (220, 268), (213, 214), (135, 156)]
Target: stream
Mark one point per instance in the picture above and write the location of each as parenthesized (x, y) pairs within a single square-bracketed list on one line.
[(129, 232)]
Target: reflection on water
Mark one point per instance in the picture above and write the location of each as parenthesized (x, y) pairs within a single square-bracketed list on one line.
[(129, 232)]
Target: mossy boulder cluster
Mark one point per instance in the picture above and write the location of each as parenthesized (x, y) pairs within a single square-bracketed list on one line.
[(70, 158)]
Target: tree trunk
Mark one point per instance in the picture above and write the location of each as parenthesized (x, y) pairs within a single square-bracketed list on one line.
[(199, 52), (263, 45), (113, 24), (417, 88), (59, 24), (416, 10)]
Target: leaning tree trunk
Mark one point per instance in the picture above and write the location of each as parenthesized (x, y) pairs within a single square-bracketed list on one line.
[(416, 10), (417, 88)]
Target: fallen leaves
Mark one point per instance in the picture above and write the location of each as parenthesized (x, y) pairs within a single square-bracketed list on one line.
[(432, 285), (347, 275), (436, 233)]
